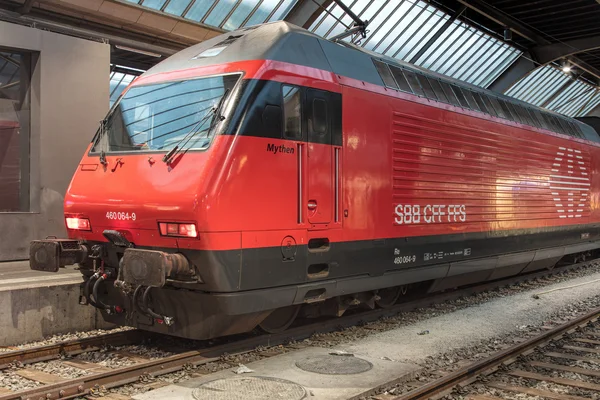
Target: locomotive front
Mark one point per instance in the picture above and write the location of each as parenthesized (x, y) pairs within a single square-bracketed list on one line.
[(135, 203)]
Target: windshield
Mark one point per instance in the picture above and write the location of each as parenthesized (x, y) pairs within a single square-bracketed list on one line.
[(156, 117)]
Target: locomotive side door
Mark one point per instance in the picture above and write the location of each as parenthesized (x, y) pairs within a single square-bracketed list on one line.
[(318, 119)]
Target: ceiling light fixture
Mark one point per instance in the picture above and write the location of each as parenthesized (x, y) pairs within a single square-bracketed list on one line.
[(566, 68), (147, 53)]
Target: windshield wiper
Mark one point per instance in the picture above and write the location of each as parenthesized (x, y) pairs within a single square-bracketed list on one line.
[(216, 111), (100, 138)]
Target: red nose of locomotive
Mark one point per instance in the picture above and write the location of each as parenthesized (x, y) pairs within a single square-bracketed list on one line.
[(142, 207), (148, 201)]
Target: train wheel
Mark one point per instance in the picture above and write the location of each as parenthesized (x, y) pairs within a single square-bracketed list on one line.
[(389, 296), (280, 319)]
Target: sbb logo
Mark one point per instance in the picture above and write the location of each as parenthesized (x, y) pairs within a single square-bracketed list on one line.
[(430, 213)]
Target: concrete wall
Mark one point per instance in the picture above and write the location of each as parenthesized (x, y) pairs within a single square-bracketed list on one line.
[(37, 312), (69, 95)]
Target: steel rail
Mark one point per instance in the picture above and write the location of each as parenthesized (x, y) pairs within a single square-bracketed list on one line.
[(446, 383), (69, 347), (83, 385)]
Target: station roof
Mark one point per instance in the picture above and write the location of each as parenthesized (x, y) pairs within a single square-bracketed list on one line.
[(223, 14), (550, 29)]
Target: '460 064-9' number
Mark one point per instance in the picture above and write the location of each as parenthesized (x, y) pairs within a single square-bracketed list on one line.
[(405, 259), (121, 216)]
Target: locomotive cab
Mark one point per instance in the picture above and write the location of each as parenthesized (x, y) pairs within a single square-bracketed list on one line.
[(132, 178)]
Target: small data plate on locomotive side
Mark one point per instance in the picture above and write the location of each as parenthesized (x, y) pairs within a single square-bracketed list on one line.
[(144, 267)]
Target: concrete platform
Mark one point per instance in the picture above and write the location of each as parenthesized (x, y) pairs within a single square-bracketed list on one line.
[(17, 274), (469, 326), (396, 353), (35, 305), (280, 377)]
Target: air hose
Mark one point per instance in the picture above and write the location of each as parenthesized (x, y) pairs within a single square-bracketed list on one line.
[(136, 292), (87, 289), (99, 303), (167, 320)]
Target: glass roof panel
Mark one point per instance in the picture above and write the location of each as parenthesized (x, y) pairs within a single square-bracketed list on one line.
[(550, 87), (566, 100), (502, 61), (431, 24), (197, 12), (403, 29), (481, 56), (539, 85), (177, 7), (263, 11), (382, 31), (220, 12), (327, 22), (593, 103), (283, 10), (447, 40), (576, 106), (572, 99), (463, 50), (225, 14), (518, 90), (415, 28), (240, 14)]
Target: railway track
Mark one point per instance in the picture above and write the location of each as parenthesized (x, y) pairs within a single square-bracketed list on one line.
[(491, 374), (68, 348), (54, 387)]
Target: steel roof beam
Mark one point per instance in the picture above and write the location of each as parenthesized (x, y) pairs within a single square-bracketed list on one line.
[(94, 32), (26, 7), (10, 60), (586, 67), (503, 19), (589, 100), (551, 52), (542, 45), (558, 91), (512, 74)]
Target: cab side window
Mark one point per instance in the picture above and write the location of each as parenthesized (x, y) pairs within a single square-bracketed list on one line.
[(271, 118), (319, 114), (292, 112)]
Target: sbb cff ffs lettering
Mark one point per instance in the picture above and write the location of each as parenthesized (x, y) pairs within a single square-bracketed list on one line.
[(430, 213)]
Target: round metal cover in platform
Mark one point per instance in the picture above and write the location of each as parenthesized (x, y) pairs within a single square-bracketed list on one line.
[(334, 364), (249, 388)]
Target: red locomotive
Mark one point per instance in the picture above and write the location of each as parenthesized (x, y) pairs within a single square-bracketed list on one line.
[(268, 168)]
